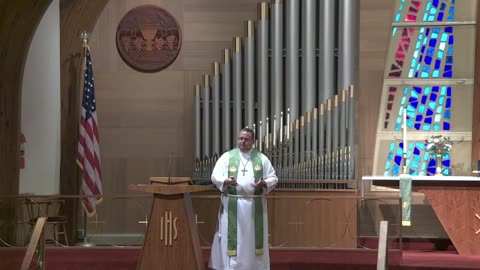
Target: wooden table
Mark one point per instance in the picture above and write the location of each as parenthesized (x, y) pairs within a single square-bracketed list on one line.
[(456, 202)]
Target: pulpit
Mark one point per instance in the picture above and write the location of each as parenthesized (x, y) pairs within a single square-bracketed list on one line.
[(171, 240)]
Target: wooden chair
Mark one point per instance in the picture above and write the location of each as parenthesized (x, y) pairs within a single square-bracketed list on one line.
[(50, 208)]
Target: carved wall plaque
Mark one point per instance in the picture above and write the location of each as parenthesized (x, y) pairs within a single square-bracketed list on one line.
[(148, 38)]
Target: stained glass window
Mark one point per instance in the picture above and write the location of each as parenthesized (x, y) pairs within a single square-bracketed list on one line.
[(430, 38)]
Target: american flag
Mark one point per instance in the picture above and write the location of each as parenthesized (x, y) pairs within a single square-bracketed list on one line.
[(88, 157)]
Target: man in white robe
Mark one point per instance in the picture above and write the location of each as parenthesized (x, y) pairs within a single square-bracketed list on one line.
[(247, 255)]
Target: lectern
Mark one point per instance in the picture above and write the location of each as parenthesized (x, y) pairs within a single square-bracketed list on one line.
[(171, 241)]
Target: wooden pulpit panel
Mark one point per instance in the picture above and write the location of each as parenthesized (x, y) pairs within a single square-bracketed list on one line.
[(172, 238), (458, 209)]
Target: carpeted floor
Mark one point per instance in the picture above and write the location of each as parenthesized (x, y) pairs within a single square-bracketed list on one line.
[(99, 258)]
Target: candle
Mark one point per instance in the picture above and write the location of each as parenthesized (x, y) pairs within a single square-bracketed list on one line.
[(281, 127), (288, 124)]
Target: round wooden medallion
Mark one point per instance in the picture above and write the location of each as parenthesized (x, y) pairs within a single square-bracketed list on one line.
[(148, 38)]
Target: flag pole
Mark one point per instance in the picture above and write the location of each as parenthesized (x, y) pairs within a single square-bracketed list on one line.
[(84, 36)]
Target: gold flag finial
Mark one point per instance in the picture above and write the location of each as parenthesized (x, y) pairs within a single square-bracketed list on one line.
[(84, 35)]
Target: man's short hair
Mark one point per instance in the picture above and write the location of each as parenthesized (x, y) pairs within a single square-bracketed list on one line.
[(249, 130)]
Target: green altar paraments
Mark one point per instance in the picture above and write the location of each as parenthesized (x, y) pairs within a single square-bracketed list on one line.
[(234, 161), (406, 194)]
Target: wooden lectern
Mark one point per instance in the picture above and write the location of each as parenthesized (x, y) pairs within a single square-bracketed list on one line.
[(171, 241)]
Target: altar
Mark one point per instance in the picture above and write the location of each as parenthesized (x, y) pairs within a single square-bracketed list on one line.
[(454, 199)]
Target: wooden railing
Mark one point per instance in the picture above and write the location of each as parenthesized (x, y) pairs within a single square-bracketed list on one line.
[(36, 245)]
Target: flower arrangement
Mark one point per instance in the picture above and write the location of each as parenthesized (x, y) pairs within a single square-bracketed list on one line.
[(439, 144)]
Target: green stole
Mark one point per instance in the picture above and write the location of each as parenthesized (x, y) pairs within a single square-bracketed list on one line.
[(256, 159)]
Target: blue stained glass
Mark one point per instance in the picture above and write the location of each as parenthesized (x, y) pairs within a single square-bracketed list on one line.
[(414, 62), (439, 109), (446, 126), (416, 151), (443, 6), (392, 146), (422, 50), (433, 11), (394, 31), (444, 37), (399, 150), (414, 165), (413, 105), (424, 99), (415, 91), (397, 127), (425, 17), (449, 103), (420, 145), (419, 117), (409, 123), (440, 54), (441, 100), (417, 126), (435, 73), (449, 59), (387, 165), (450, 18), (420, 58), (428, 120), (436, 127), (451, 39), (440, 16), (421, 109), (453, 1), (450, 50), (431, 52), (427, 32), (435, 3), (411, 99), (449, 91), (428, 60), (433, 97), (418, 44), (451, 11), (426, 127), (427, 90), (437, 64), (397, 18), (410, 74), (426, 69), (395, 170), (398, 160), (390, 155), (435, 89), (448, 74), (429, 111), (429, 5), (431, 18), (444, 91), (448, 67), (448, 29), (446, 115), (436, 30), (424, 74)]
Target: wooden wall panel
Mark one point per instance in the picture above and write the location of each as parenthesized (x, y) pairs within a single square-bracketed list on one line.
[(476, 97), (375, 23), (76, 16)]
